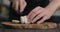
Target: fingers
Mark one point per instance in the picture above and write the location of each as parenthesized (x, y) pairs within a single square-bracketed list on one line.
[(31, 16), (15, 5), (42, 20), (38, 17), (19, 4), (34, 12), (22, 5)]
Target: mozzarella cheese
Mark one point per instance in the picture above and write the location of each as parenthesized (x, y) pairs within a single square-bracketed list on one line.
[(15, 21), (24, 20)]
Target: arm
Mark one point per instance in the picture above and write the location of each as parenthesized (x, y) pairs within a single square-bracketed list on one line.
[(53, 5), (18, 4), (46, 12)]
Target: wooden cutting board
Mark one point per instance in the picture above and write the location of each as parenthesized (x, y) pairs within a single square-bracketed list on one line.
[(46, 25)]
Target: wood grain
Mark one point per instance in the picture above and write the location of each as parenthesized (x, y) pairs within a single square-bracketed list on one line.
[(46, 25)]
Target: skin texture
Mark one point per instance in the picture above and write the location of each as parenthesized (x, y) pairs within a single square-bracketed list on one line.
[(22, 4), (45, 13)]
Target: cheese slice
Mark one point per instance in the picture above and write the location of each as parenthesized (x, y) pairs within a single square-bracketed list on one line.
[(15, 21), (24, 19)]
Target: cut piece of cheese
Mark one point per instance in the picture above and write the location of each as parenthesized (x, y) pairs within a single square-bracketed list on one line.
[(24, 19), (15, 21)]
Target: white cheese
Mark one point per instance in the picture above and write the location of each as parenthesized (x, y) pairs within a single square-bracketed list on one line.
[(24, 19), (15, 21)]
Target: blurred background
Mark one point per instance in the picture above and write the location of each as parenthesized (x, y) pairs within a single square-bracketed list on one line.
[(4, 10)]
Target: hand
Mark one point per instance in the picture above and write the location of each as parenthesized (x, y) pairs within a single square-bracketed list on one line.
[(19, 4), (38, 13)]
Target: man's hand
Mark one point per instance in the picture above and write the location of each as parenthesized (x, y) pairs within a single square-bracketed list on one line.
[(19, 4), (38, 13)]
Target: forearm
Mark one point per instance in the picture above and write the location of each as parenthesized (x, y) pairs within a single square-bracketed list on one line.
[(53, 5)]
